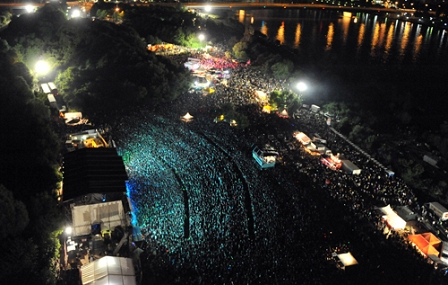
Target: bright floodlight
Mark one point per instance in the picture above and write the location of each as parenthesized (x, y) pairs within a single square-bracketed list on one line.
[(201, 37), (68, 230), (29, 8), (42, 67), (76, 13), (207, 8), (301, 86)]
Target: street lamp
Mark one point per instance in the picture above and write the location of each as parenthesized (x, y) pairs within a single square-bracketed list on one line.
[(301, 86), (30, 8), (201, 38), (42, 67), (207, 8), (76, 13)]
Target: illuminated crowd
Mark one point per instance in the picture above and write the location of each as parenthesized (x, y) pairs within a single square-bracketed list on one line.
[(211, 216)]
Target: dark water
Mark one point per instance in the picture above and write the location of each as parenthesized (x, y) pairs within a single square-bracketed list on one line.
[(353, 38)]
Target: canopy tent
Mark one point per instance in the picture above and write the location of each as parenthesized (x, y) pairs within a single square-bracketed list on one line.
[(73, 118), (283, 114), (393, 219), (187, 117), (192, 65), (427, 243), (261, 96), (347, 259), (302, 138), (109, 270), (267, 109)]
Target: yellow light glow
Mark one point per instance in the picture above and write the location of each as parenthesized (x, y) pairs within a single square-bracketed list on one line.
[(241, 16), (298, 33), (281, 33), (362, 30), (330, 35), (264, 28)]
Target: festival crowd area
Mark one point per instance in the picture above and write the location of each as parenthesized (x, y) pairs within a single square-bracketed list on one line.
[(211, 216)]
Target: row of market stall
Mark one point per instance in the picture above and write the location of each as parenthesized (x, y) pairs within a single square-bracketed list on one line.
[(316, 146), (403, 220)]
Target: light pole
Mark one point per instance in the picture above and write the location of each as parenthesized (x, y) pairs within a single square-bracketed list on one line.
[(30, 8), (201, 38), (42, 67), (76, 13), (301, 86)]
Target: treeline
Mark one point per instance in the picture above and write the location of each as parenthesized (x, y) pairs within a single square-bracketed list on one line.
[(30, 219), (100, 67)]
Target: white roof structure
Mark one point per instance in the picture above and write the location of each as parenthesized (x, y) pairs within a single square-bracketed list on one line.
[(302, 138), (187, 117), (70, 116), (51, 85), (347, 259), (261, 95), (109, 270), (284, 113), (107, 214), (393, 219), (45, 88), (192, 65)]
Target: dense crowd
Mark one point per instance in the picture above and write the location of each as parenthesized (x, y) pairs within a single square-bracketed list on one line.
[(211, 216)]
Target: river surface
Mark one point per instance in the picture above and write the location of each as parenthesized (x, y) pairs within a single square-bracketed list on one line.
[(353, 38)]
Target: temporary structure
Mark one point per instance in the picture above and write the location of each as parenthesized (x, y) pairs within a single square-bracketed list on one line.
[(393, 220), (347, 259), (107, 214), (109, 270), (427, 243), (302, 138), (261, 96), (187, 117), (283, 114), (350, 167)]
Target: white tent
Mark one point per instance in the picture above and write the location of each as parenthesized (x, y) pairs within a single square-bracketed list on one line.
[(284, 114), (393, 219), (347, 259), (302, 138), (187, 117), (192, 65), (261, 95), (109, 270)]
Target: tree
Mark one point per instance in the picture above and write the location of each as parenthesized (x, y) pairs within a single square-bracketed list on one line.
[(240, 50), (282, 70), (284, 99), (13, 216)]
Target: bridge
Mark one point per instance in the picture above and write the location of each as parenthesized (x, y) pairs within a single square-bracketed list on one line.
[(318, 6), (229, 5)]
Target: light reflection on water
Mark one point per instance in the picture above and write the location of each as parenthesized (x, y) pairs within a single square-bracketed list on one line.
[(281, 33), (297, 36), (330, 35), (354, 37)]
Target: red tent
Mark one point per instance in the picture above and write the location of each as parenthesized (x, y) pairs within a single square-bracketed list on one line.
[(427, 243)]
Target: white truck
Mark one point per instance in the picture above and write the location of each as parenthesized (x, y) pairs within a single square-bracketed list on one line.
[(440, 211), (52, 101)]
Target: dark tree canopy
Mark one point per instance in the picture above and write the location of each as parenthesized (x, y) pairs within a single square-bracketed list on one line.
[(28, 174)]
